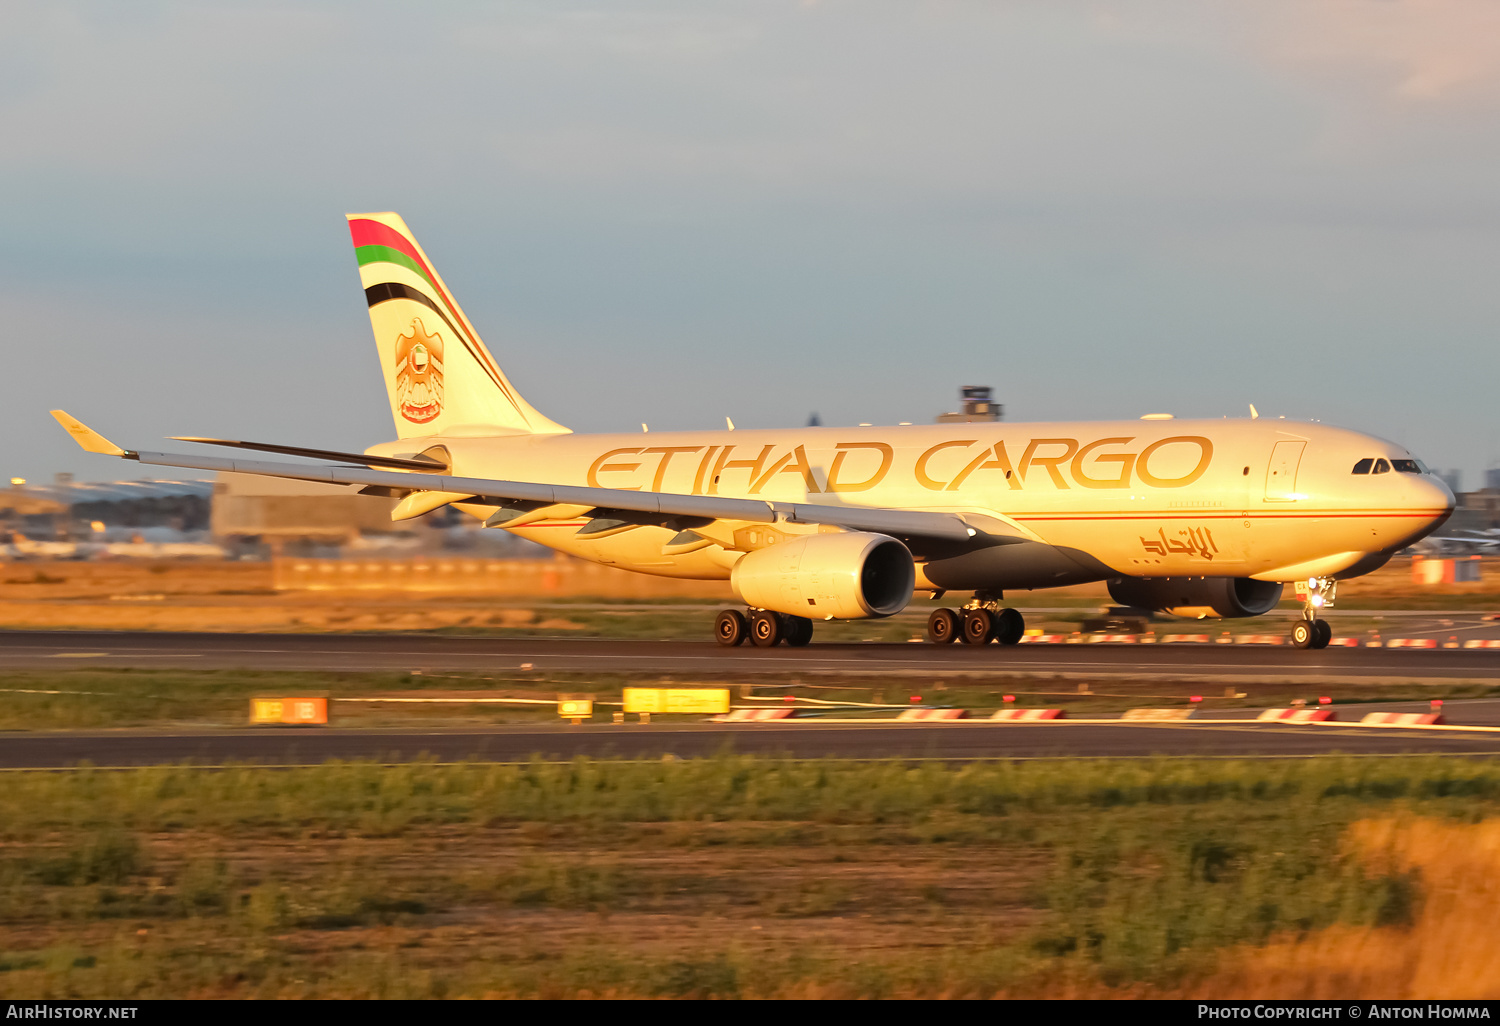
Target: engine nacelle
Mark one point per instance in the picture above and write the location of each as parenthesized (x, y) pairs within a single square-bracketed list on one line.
[(847, 576), (1197, 596)]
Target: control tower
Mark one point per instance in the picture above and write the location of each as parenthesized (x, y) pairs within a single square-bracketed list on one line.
[(977, 407)]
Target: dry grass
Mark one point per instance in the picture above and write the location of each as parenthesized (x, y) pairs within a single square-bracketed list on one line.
[(1449, 952)]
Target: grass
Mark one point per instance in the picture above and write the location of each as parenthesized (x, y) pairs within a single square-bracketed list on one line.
[(731, 876)]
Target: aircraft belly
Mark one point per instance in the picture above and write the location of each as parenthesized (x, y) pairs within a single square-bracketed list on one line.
[(1025, 564)]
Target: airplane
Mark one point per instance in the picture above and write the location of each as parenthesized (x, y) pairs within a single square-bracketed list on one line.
[(1192, 517), (22, 547)]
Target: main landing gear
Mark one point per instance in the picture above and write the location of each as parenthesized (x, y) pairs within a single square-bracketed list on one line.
[(979, 622), (1311, 632), (763, 629)]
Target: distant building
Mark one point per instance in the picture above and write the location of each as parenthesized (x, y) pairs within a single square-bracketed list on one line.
[(1477, 510), (257, 517), (1454, 479), (977, 407), (1492, 479), (249, 511), (69, 509)]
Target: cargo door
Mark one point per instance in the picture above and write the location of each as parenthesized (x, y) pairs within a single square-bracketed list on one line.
[(1281, 475)]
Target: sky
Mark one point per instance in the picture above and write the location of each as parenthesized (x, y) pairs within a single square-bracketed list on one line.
[(677, 212)]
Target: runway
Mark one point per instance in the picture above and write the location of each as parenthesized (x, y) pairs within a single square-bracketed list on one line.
[(958, 742), (461, 654)]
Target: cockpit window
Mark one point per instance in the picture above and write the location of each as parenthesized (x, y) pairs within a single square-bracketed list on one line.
[(1407, 466), (1363, 466), (1381, 467)]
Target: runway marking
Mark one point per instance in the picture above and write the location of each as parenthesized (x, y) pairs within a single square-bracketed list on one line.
[(79, 655)]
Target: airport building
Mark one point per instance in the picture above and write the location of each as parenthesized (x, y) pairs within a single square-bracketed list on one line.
[(264, 517), (68, 509)]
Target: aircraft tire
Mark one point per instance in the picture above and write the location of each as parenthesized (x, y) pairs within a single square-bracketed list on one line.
[(943, 627), (979, 627), (1325, 634), (730, 628), (765, 629), (1010, 627), (1304, 633), (799, 631)]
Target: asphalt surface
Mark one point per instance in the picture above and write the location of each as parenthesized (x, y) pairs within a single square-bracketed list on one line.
[(439, 653), (957, 741)]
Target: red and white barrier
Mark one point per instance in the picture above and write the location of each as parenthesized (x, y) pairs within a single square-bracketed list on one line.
[(1297, 715), (1412, 643), (1017, 715), (1259, 639), (1182, 639), (933, 714), (1118, 639), (1343, 643), (754, 715), (1390, 719), (1043, 639), (1482, 643)]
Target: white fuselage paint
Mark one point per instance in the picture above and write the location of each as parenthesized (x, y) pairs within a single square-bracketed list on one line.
[(1273, 499)]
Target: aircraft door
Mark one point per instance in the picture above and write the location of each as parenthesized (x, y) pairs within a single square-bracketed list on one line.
[(1281, 474)]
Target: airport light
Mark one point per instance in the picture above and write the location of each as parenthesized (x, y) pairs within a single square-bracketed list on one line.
[(17, 482)]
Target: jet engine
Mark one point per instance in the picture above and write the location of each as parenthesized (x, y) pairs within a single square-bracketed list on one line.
[(845, 576), (1197, 596)]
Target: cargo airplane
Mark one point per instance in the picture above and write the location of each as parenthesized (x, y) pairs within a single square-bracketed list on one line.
[(1194, 517)]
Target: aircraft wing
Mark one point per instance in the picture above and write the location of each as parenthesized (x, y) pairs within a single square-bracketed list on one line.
[(485, 491)]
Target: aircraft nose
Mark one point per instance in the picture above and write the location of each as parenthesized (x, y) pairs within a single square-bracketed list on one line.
[(1431, 493)]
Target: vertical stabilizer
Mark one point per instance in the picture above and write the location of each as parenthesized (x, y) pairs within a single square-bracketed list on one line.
[(438, 374)]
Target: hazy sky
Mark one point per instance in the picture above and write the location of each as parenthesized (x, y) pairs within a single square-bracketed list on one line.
[(674, 212)]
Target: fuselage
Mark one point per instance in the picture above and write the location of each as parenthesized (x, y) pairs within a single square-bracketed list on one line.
[(1271, 499)]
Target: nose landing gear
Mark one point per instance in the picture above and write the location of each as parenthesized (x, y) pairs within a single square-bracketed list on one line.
[(1311, 632)]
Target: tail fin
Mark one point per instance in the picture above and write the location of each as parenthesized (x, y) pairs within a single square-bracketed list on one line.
[(438, 373)]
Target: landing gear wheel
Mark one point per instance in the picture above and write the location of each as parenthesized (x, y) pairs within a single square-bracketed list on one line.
[(730, 628), (979, 627), (1010, 627), (1325, 634), (799, 630), (943, 627), (1304, 633), (765, 629)]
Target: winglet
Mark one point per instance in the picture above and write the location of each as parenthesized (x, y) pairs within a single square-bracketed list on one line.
[(87, 437)]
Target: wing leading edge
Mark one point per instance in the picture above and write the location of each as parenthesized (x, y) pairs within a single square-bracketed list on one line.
[(486, 491)]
